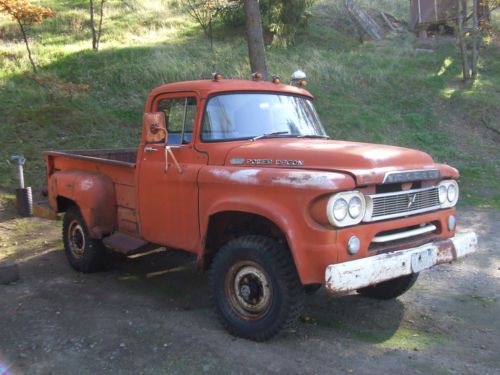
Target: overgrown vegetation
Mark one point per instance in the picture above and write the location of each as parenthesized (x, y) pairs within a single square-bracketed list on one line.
[(383, 92), (25, 14), (281, 19)]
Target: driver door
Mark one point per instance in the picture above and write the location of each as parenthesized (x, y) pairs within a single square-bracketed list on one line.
[(168, 191)]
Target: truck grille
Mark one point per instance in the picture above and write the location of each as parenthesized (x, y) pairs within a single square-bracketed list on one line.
[(401, 203)]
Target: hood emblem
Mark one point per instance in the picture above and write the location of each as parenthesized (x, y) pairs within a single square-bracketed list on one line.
[(411, 199), (290, 163), (414, 175)]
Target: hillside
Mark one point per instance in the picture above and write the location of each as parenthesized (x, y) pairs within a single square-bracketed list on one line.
[(385, 92)]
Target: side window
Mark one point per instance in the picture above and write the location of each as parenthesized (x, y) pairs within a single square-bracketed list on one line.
[(179, 117)]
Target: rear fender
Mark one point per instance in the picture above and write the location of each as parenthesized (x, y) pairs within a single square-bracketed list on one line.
[(94, 194)]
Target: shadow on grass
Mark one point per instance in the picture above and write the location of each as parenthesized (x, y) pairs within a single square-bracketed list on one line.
[(364, 319)]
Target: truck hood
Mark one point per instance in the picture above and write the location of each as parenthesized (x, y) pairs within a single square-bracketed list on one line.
[(367, 163)]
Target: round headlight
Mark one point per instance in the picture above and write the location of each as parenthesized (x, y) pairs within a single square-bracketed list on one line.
[(443, 193), (355, 207), (340, 209), (452, 193)]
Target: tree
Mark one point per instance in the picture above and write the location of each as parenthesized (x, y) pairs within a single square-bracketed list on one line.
[(469, 29), (485, 7), (255, 39), (25, 14), (96, 34), (202, 12), (280, 18), (462, 15)]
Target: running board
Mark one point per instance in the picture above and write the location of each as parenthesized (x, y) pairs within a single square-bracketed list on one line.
[(126, 244)]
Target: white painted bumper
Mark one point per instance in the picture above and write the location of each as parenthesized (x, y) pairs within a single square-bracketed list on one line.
[(359, 273)]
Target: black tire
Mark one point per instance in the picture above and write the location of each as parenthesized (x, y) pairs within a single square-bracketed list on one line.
[(312, 289), (84, 253), (269, 296), (390, 289)]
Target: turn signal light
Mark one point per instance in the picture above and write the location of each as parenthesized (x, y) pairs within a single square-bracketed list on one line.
[(256, 76), (217, 76), (302, 83), (276, 80)]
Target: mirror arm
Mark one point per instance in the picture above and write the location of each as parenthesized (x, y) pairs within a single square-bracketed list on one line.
[(168, 151)]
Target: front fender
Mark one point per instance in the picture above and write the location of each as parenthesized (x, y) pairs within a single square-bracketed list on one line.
[(283, 196), (94, 194)]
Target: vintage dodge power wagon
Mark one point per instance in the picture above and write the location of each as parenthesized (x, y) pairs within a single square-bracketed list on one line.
[(242, 174)]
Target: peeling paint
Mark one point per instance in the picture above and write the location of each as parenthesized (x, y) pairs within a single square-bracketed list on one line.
[(243, 176), (303, 180), (86, 184)]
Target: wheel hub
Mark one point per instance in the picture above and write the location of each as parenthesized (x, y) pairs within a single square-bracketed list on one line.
[(245, 291), (76, 239), (249, 290)]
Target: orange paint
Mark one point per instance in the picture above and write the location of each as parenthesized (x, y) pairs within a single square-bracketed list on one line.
[(283, 181)]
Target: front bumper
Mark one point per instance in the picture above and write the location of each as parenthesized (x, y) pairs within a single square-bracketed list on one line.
[(356, 274)]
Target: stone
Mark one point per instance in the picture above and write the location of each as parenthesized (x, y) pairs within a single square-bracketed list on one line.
[(9, 273)]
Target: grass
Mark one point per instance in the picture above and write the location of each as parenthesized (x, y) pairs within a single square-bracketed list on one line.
[(382, 92)]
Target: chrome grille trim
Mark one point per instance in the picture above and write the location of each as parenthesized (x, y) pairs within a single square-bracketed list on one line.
[(392, 205), (400, 235)]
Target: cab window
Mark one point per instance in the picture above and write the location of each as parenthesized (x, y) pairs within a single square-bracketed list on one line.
[(179, 117)]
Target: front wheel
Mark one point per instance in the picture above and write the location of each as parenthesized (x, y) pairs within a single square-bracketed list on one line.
[(84, 253), (255, 287), (390, 289)]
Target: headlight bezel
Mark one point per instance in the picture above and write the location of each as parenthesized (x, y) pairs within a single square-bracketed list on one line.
[(447, 186), (348, 220)]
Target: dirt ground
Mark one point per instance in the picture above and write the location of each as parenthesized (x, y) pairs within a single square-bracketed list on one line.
[(152, 315)]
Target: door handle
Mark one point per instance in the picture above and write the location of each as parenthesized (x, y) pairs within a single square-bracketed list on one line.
[(150, 149)]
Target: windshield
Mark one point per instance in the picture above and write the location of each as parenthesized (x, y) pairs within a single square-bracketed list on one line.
[(257, 115)]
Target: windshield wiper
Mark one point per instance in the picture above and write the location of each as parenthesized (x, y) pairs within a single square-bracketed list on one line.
[(265, 135), (314, 136)]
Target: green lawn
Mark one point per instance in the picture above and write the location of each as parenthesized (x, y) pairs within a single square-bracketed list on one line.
[(383, 92)]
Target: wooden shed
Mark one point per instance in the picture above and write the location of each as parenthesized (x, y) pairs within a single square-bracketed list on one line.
[(426, 13)]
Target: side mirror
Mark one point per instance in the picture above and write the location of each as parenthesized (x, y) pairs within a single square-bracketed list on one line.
[(154, 129)]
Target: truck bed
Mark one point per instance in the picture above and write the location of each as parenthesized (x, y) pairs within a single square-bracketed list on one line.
[(123, 157), (118, 165)]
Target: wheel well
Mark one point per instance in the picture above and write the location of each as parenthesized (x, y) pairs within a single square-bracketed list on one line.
[(64, 203), (225, 226)]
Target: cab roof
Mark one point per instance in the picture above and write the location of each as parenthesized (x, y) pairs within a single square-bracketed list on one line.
[(205, 88)]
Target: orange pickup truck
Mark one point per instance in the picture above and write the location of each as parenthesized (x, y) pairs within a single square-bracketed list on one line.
[(242, 174)]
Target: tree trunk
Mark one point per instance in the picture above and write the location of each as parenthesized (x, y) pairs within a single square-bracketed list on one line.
[(95, 45), (100, 25), (483, 12), (475, 39), (25, 37), (255, 39), (462, 15)]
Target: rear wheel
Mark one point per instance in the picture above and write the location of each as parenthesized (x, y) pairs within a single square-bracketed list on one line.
[(84, 253), (390, 289), (255, 287)]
